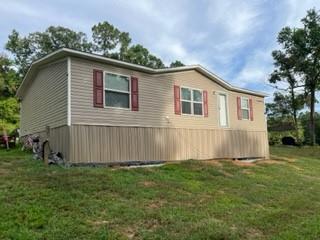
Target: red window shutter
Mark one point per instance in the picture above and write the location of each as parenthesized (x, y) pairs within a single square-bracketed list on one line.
[(239, 108), (98, 88), (205, 103), (134, 94), (177, 103), (251, 109)]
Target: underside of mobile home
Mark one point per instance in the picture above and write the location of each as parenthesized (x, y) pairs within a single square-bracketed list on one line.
[(107, 144)]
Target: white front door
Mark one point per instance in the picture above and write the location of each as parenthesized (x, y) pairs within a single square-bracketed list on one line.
[(223, 113)]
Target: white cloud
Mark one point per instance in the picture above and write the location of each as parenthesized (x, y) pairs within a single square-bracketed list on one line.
[(256, 70), (296, 10), (19, 8), (235, 17), (234, 23), (40, 13)]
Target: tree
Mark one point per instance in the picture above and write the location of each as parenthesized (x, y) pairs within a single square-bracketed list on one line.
[(281, 109), (284, 64), (304, 118), (9, 79), (38, 44), (307, 41), (140, 55), (106, 40), (301, 50), (111, 42), (176, 63), (9, 113), (22, 50), (9, 107)]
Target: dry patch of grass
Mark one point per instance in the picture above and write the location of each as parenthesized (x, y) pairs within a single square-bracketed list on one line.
[(214, 162), (148, 184)]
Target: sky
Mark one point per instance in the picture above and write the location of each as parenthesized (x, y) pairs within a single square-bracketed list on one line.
[(232, 38)]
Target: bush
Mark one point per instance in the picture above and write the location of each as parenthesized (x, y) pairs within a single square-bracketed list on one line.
[(275, 137)]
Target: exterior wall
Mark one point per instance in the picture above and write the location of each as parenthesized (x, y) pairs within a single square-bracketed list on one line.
[(59, 140), (45, 102), (156, 104), (152, 133), (104, 144)]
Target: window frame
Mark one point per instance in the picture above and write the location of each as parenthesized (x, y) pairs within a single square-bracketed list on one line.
[(247, 99), (192, 102), (115, 90)]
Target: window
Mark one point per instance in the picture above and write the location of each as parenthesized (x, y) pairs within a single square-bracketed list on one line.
[(191, 101), (117, 91), (245, 109)]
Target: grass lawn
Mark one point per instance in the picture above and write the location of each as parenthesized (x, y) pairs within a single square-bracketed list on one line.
[(278, 199)]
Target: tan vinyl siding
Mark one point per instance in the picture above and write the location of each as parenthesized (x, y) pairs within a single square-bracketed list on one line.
[(156, 101), (45, 102), (103, 144), (59, 139)]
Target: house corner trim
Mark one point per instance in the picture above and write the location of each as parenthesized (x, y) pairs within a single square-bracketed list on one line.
[(69, 93)]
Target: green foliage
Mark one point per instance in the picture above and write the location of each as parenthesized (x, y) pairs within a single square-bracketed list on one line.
[(140, 55), (280, 115), (9, 114), (176, 63), (275, 137), (9, 106), (38, 44), (281, 107), (111, 42), (299, 62), (9, 79), (305, 122), (106, 40), (190, 200)]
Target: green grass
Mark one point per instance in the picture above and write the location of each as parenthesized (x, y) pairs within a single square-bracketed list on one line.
[(192, 200)]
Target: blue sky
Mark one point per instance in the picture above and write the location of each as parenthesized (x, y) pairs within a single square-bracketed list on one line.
[(232, 38)]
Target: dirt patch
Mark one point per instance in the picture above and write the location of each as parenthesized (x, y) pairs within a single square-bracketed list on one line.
[(282, 162), (214, 162), (156, 204), (129, 232), (247, 171), (4, 172), (151, 224), (6, 163), (286, 159), (225, 173), (243, 164), (148, 183), (295, 167), (253, 233), (98, 223), (270, 162)]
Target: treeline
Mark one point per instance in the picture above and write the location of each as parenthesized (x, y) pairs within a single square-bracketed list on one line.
[(106, 40), (297, 79)]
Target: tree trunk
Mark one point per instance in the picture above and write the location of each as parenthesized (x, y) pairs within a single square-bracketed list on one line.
[(312, 122), (294, 108), (294, 112)]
